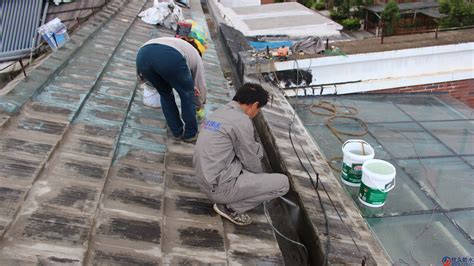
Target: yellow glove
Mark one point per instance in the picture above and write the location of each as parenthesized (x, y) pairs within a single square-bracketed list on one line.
[(200, 114)]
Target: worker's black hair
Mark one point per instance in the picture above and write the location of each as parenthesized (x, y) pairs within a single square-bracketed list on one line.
[(250, 93)]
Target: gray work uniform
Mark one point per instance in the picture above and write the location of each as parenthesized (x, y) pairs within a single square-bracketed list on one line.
[(227, 161)]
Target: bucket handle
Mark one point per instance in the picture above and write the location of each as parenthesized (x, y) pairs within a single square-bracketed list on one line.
[(363, 142), (393, 182)]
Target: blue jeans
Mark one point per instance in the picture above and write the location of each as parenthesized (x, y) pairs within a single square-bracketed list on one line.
[(166, 69)]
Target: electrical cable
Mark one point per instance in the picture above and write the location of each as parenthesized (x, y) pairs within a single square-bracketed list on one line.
[(328, 240), (336, 113)]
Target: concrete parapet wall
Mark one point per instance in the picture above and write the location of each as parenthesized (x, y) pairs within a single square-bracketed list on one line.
[(381, 70)]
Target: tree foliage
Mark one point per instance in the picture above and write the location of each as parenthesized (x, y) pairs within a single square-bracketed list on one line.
[(351, 24), (459, 13), (319, 5), (315, 4), (390, 16)]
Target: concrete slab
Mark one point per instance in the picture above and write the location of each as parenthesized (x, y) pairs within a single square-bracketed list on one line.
[(264, 250), (15, 169), (75, 197), (190, 242), (41, 126), (47, 226), (138, 175), (291, 19), (102, 115), (110, 88), (17, 147), (72, 166), (125, 231), (50, 112), (139, 157), (98, 132), (86, 146), (138, 200), (178, 162), (11, 199), (108, 101), (112, 255), (182, 182), (188, 207), (21, 255), (4, 120), (269, 8)]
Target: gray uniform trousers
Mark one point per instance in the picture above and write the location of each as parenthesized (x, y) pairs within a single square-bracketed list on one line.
[(248, 190)]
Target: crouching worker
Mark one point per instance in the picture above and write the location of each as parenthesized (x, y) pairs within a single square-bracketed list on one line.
[(169, 63), (227, 159)]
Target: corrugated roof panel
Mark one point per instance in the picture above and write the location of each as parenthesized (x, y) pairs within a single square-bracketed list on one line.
[(18, 23)]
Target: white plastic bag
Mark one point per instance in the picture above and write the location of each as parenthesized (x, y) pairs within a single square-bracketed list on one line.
[(55, 33), (166, 14), (151, 97)]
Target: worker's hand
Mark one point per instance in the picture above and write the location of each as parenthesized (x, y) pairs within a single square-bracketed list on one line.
[(196, 91)]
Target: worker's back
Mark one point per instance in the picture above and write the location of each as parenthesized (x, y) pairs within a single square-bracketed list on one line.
[(215, 158)]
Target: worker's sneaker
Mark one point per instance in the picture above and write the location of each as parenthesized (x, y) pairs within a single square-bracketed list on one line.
[(191, 140), (229, 214)]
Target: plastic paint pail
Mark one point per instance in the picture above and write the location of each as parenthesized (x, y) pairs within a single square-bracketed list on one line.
[(378, 178), (356, 152)]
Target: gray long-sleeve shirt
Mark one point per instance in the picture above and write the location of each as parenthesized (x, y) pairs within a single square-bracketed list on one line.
[(226, 145), (193, 60)]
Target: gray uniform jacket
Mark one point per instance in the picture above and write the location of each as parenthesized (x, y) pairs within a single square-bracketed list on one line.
[(225, 146), (193, 60)]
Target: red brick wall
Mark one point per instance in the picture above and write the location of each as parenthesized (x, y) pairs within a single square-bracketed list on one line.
[(462, 90), (266, 2)]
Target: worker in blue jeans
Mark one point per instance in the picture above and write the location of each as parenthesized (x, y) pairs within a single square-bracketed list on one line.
[(169, 63)]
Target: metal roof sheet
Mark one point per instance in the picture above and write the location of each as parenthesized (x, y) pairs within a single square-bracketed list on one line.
[(405, 6)]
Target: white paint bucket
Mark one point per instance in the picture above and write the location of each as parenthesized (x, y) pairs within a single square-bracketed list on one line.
[(151, 97), (378, 178), (356, 152)]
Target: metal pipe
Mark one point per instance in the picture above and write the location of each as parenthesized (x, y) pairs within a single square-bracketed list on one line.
[(327, 84), (22, 67)]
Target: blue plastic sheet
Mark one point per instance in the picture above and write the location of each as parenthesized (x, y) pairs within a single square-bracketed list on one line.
[(271, 45)]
